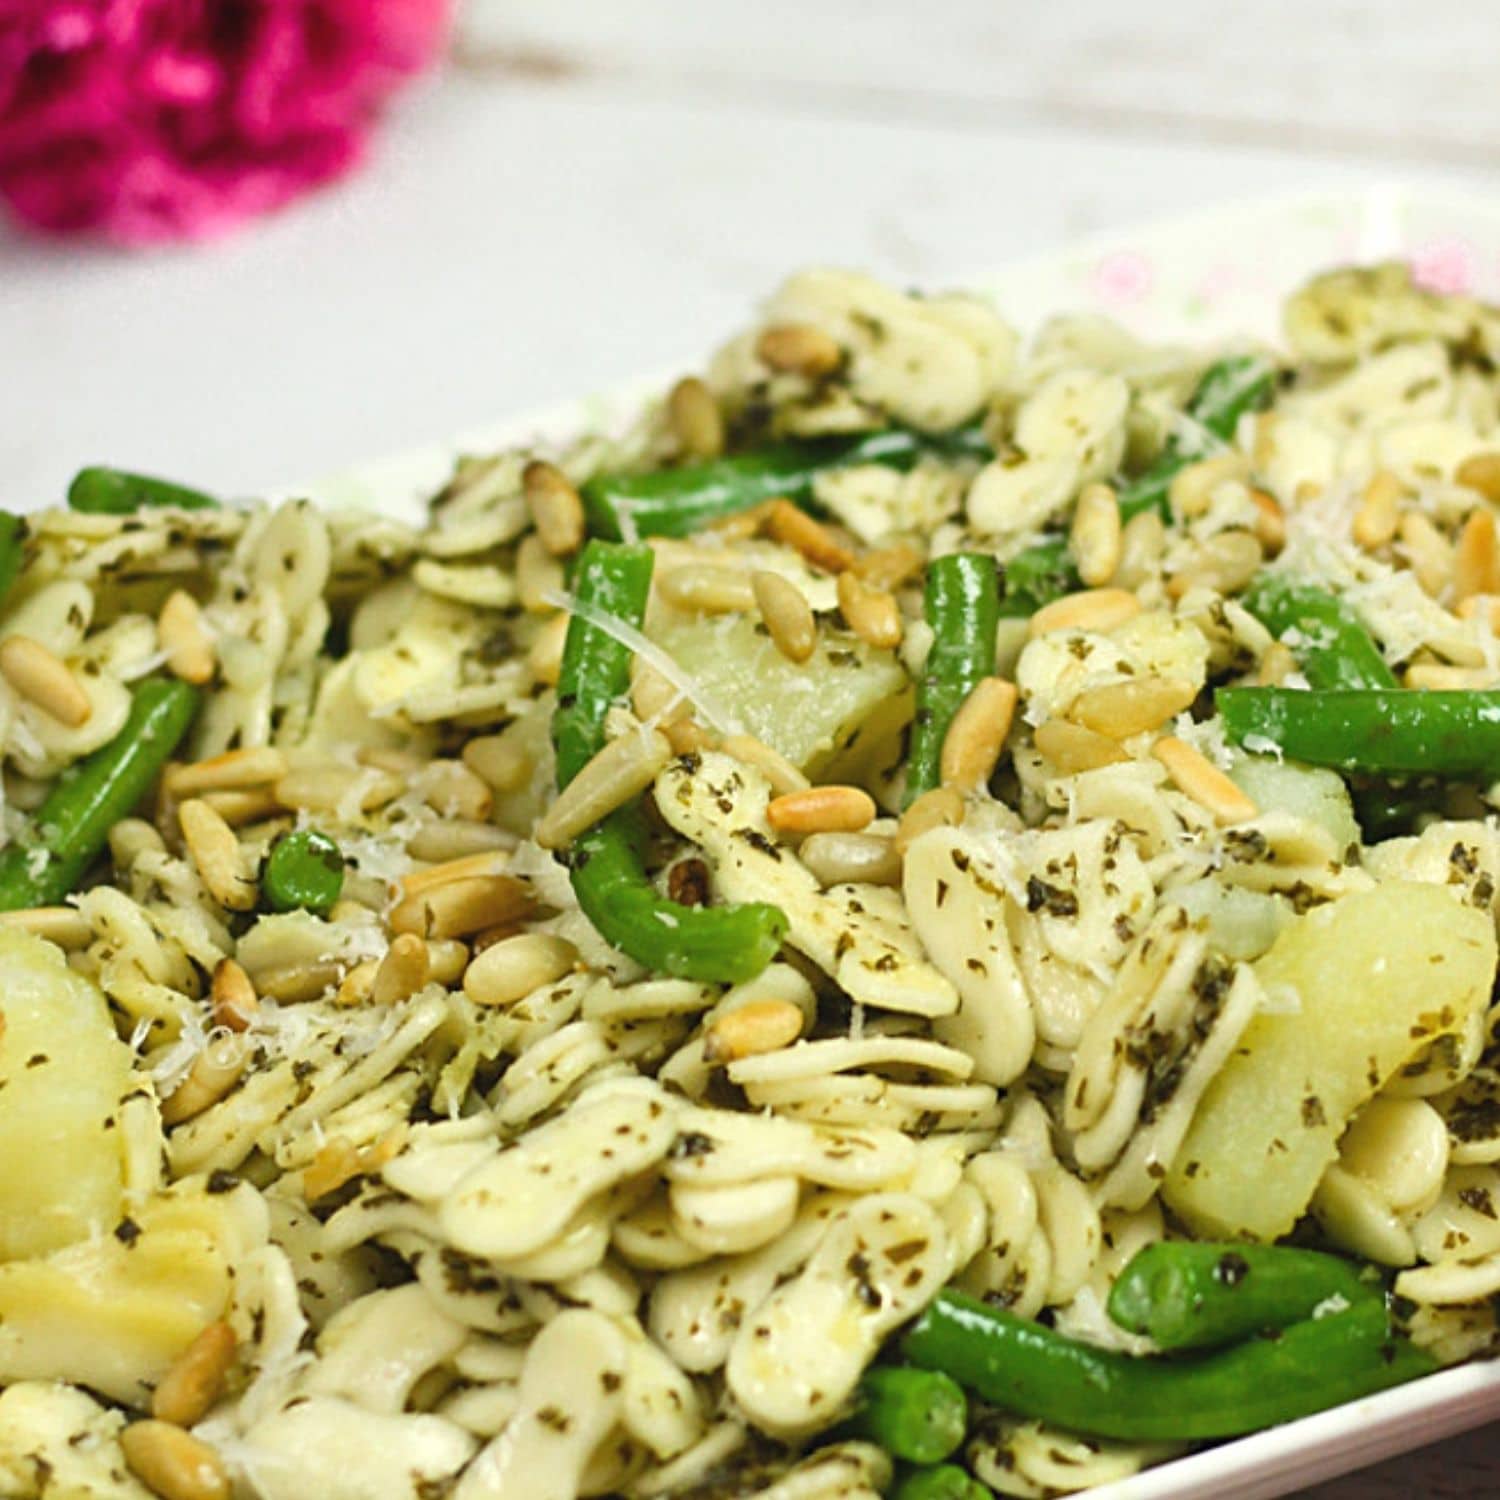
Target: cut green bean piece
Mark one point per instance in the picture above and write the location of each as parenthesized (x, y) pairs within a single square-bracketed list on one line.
[(69, 830), (1027, 1368), (1400, 732), (917, 1415), (961, 602), (1332, 646), (941, 1482), (303, 872), (1186, 1294), (12, 551), (114, 492)]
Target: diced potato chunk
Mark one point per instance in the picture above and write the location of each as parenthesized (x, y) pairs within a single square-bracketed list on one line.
[(822, 714), (1375, 976), (63, 1071)]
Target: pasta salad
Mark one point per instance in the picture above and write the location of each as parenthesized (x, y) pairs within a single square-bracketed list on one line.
[(921, 923)]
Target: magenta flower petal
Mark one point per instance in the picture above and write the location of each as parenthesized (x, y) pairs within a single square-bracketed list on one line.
[(140, 121)]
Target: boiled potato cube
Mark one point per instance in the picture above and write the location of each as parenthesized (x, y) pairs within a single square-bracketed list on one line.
[(63, 1071), (1374, 977), (824, 715)]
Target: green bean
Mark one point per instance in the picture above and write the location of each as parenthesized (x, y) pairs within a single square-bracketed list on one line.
[(677, 502), (113, 492), (918, 1415), (71, 826), (1186, 1294), (12, 551), (1027, 1368), (304, 871), (961, 603), (943, 1482), (1400, 732), (1333, 649), (1229, 388), (607, 864)]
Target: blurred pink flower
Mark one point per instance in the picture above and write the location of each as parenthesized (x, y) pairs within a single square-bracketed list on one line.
[(147, 120)]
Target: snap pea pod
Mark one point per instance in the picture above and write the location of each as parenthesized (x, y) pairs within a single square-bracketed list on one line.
[(1188, 1294), (113, 492), (1027, 1368), (72, 824), (1400, 732), (941, 1482), (1333, 649), (918, 1415), (961, 601), (1229, 388), (606, 864), (12, 551), (303, 872), (677, 502)]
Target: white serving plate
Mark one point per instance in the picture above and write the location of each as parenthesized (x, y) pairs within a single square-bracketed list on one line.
[(1200, 278)]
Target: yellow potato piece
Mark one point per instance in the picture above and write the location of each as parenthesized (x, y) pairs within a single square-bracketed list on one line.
[(113, 1312), (1377, 976), (63, 1071)]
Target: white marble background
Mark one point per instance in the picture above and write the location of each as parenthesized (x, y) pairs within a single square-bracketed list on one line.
[(598, 187)]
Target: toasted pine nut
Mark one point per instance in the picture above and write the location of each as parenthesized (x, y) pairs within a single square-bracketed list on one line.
[(686, 735), (1481, 471), (942, 807), (233, 996), (538, 575), (453, 790), (215, 1071), (447, 958), (555, 506), (1476, 566), (457, 838), (1089, 609), (795, 528), (239, 808), (459, 907), (1270, 523), (741, 525), (132, 837), (327, 786), (1263, 441), (777, 769), (358, 985), (1190, 492), (500, 759), (295, 983), (787, 614), (1428, 551), (1072, 748), (338, 1161), (821, 809), (750, 1029), (172, 1463), (977, 734), (402, 972), (704, 589), (799, 349), (512, 968), (196, 1377), (866, 858), (1143, 539), (696, 421), (216, 854), (871, 613), (1438, 677), (1275, 666), (623, 769), (484, 862), (185, 639), (1204, 782), (64, 925), (1377, 517), (1226, 562), (1095, 534), (1121, 709), (890, 566), (43, 678), (1480, 606), (234, 770), (546, 653)]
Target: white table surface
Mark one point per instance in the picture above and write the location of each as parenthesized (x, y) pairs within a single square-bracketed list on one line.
[(594, 189)]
